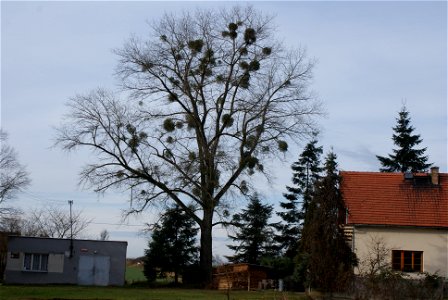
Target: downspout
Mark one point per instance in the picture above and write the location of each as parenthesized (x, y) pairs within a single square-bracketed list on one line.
[(353, 239), (70, 202)]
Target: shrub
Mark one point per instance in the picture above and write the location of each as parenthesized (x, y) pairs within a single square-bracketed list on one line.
[(398, 286)]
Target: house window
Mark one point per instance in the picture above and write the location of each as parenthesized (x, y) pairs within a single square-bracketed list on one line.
[(407, 261), (35, 262)]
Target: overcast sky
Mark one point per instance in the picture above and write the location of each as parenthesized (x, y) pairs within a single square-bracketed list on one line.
[(371, 58)]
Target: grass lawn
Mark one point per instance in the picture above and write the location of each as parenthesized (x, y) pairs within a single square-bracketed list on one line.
[(134, 274), (131, 293)]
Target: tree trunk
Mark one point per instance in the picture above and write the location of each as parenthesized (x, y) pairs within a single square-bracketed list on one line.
[(206, 249)]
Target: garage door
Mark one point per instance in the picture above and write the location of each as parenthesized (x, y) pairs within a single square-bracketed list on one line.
[(93, 270)]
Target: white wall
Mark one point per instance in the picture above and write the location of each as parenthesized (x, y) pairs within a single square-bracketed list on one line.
[(433, 243)]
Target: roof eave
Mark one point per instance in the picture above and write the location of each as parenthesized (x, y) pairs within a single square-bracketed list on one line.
[(398, 226)]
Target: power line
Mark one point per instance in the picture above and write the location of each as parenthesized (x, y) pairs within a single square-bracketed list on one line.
[(38, 198), (63, 201), (119, 224)]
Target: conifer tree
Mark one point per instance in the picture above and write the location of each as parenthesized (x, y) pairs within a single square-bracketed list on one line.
[(406, 156), (329, 260), (254, 235), (173, 245), (305, 172)]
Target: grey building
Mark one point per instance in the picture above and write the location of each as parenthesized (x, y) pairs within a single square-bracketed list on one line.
[(33, 260)]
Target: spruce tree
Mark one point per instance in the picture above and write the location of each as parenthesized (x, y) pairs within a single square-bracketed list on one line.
[(305, 172), (173, 245), (405, 157), (254, 235), (329, 260)]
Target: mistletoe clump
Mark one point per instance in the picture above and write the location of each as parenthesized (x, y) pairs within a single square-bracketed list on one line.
[(169, 125), (282, 146), (196, 46), (227, 120), (250, 36)]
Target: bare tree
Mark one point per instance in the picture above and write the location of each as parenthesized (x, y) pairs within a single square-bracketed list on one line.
[(48, 221), (13, 176), (211, 97), (12, 223), (55, 222), (104, 235), (377, 259)]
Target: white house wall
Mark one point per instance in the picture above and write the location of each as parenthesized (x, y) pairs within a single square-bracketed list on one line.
[(433, 243)]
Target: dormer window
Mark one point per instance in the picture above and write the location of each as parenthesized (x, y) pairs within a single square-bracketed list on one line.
[(424, 180)]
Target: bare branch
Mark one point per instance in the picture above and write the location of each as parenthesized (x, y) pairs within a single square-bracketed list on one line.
[(13, 176)]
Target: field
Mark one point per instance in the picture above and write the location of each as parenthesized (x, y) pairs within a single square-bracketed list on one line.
[(134, 273), (133, 293)]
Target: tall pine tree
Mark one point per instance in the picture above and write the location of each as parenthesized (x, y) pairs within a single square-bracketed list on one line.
[(173, 245), (405, 157), (254, 235), (305, 173), (329, 260)]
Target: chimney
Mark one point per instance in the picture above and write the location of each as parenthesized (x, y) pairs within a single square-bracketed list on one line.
[(435, 175)]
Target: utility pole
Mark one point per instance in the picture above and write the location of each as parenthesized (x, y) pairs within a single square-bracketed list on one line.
[(70, 202)]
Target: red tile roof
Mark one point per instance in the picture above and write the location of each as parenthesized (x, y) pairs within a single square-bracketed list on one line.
[(389, 199)]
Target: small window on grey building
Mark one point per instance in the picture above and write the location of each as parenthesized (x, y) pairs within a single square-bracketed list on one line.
[(15, 255), (35, 262)]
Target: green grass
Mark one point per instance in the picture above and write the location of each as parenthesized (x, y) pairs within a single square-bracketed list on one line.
[(128, 293), (134, 274)]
